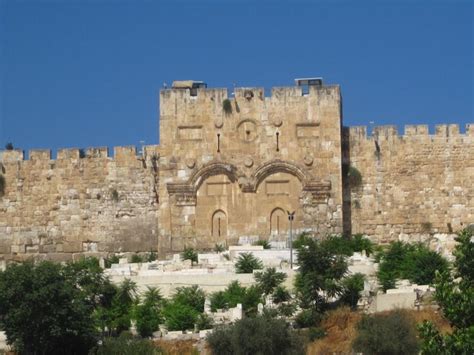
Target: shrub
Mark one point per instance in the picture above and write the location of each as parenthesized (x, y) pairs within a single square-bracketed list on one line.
[(455, 297), (249, 297), (307, 318), (179, 316), (391, 333), (114, 195), (360, 243), (246, 263), (111, 259), (227, 106), (264, 243), (218, 301), (315, 333), (190, 254), (352, 286), (9, 146), (219, 248), (3, 185), (148, 314), (281, 294), (259, 335), (269, 279), (126, 344), (192, 296), (136, 258), (151, 256), (204, 322), (414, 262), (302, 240), (338, 245)]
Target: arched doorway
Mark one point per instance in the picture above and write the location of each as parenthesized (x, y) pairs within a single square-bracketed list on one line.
[(278, 222), (219, 225)]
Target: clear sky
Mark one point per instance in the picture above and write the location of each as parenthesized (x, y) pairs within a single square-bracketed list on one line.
[(87, 73)]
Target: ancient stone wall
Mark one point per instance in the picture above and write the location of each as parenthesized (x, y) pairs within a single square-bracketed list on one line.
[(414, 184), (79, 202)]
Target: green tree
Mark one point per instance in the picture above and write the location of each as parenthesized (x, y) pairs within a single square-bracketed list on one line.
[(320, 273), (44, 311), (455, 295), (269, 279), (184, 308), (148, 313), (246, 263), (122, 305), (258, 335), (190, 254)]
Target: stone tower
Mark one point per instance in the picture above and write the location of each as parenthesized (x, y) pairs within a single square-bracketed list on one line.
[(231, 168)]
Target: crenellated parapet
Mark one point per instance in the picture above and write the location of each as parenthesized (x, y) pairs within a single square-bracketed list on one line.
[(391, 132)]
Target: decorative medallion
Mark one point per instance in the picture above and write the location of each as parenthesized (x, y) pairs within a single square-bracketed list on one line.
[(308, 160), (277, 122), (218, 122), (248, 162), (190, 163)]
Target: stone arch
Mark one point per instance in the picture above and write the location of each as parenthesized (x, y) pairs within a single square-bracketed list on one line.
[(278, 221), (219, 224), (280, 166), (211, 169)]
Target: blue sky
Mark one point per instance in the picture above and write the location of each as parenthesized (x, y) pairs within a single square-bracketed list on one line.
[(87, 73)]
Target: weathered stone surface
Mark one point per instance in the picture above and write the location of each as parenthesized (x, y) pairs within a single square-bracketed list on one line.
[(223, 177)]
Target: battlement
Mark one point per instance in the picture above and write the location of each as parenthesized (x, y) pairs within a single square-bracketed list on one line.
[(391, 132), (120, 153)]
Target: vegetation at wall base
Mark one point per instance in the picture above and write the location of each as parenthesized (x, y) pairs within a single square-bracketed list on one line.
[(258, 335), (455, 295), (264, 243), (190, 254), (137, 258), (414, 262)]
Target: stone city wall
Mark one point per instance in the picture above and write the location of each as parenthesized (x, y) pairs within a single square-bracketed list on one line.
[(413, 184), (82, 201)]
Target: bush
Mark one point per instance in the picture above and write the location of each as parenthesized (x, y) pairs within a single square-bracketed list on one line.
[(9, 146), (259, 335), (137, 258), (204, 322), (352, 287), (315, 333), (302, 240), (269, 279), (190, 254), (246, 263), (179, 316), (354, 176), (249, 297), (126, 344), (414, 262), (360, 243), (227, 106), (264, 243), (148, 314), (219, 248), (192, 296), (111, 259), (307, 318), (151, 256), (392, 333), (281, 294)]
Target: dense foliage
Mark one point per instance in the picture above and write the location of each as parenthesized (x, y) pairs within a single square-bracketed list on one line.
[(46, 306), (269, 280), (190, 254), (235, 293), (386, 333), (246, 263), (148, 314), (182, 311), (258, 335), (126, 344), (455, 295), (414, 262)]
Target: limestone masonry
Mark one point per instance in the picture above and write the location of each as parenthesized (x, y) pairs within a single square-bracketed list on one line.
[(229, 169)]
